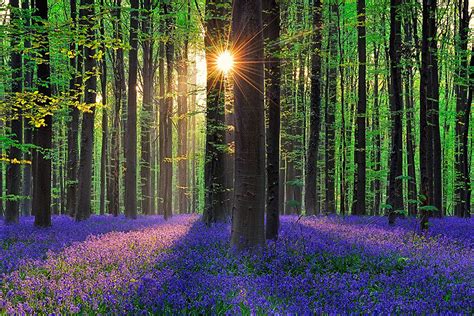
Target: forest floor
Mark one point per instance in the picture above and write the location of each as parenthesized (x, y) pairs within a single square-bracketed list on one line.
[(319, 264)]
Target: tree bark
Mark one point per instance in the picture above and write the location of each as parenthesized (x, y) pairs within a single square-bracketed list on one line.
[(119, 98), (166, 155), (249, 207), (314, 116), (43, 135), (182, 188), (428, 96), (360, 143), (271, 33), (13, 176), (105, 131), (75, 64), (147, 109), (463, 107), (83, 210), (395, 186), (214, 169)]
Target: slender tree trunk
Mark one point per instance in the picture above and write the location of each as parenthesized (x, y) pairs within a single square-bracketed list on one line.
[(271, 33), (13, 176), (73, 125), (331, 100), (166, 159), (119, 99), (343, 153), (428, 96), (25, 204), (105, 131), (395, 186), (463, 107), (182, 131), (84, 209), (249, 208), (360, 150), (214, 169), (147, 109), (131, 134), (314, 116), (378, 139), (43, 135)]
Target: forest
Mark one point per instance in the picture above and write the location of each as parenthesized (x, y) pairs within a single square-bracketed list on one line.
[(224, 157)]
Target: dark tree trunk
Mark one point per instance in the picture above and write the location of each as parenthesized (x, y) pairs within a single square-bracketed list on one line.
[(249, 207), (131, 134), (166, 162), (182, 188), (73, 125), (43, 135), (395, 185), (13, 176), (314, 116), (147, 109), (331, 100), (214, 169), (359, 154), (105, 131), (271, 33), (119, 99), (83, 209), (428, 104), (463, 108)]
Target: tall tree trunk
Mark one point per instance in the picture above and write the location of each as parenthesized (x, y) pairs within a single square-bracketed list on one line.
[(378, 139), (43, 135), (105, 131), (249, 207), (271, 33), (314, 116), (428, 98), (463, 107), (25, 204), (395, 186), (166, 162), (83, 210), (147, 109), (331, 100), (119, 99), (182, 131), (343, 153), (13, 176), (75, 64), (131, 134), (214, 169), (359, 154)]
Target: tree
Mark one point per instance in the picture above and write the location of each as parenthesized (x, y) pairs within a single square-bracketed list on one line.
[(329, 114), (119, 100), (395, 187), (73, 124), (360, 144), (214, 174), (166, 163), (147, 107), (131, 134), (249, 207), (429, 96), (83, 208), (105, 123), (13, 177), (314, 117), (271, 18), (463, 108), (44, 134)]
